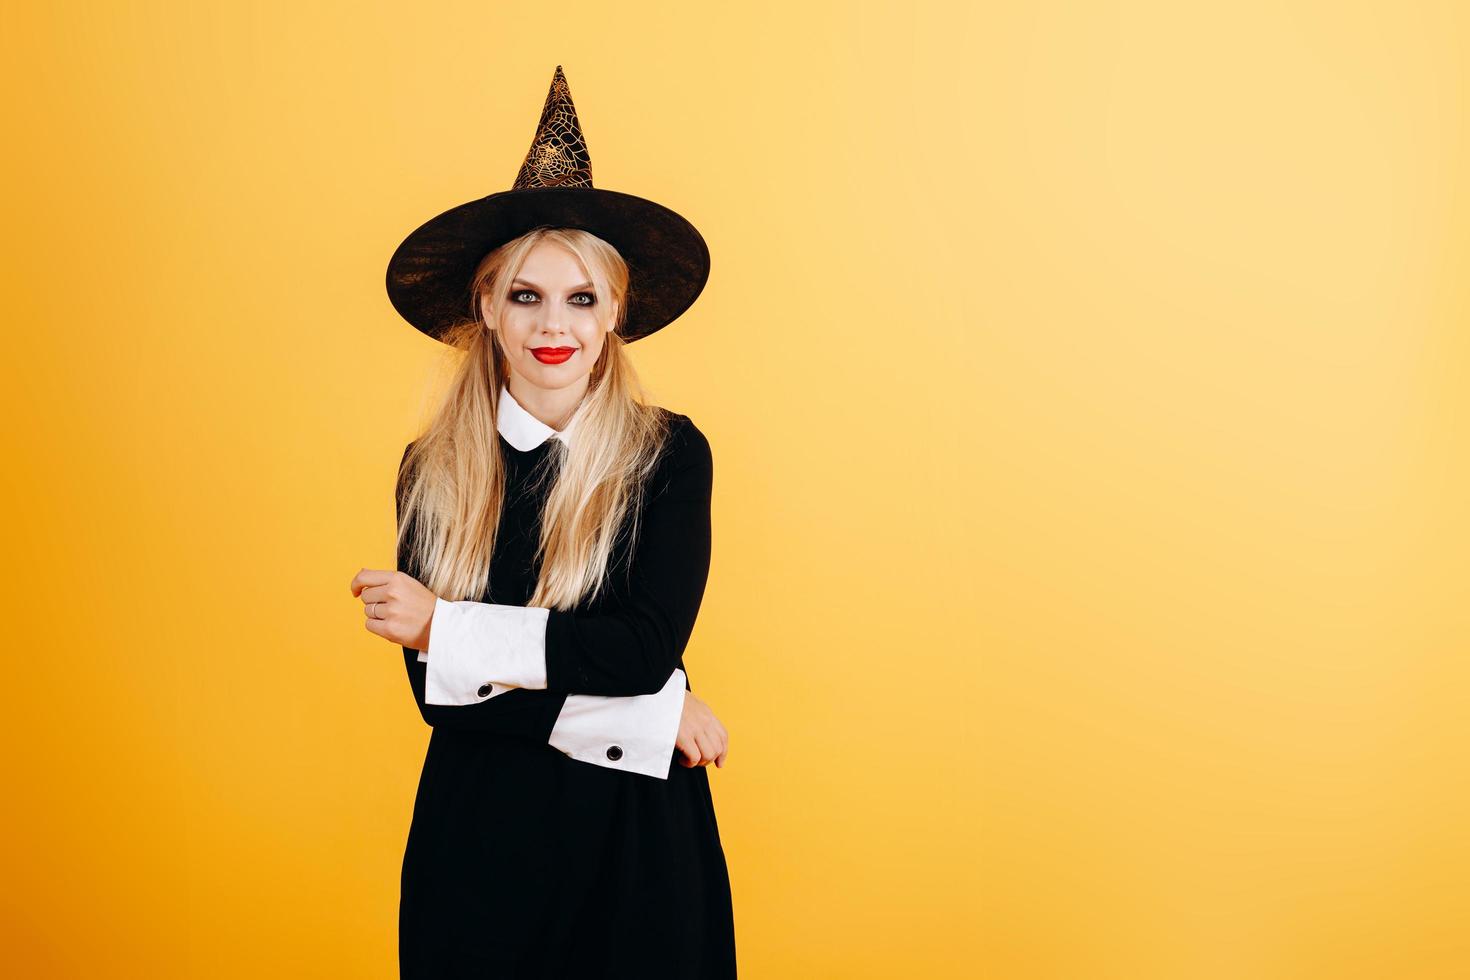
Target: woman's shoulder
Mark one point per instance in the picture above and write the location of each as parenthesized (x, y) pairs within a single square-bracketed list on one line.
[(685, 444)]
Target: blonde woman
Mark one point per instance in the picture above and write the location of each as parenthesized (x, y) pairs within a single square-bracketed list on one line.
[(554, 545)]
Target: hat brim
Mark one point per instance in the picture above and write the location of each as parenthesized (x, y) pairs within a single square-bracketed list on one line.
[(668, 260)]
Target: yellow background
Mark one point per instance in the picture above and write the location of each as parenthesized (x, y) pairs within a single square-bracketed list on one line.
[(1088, 392)]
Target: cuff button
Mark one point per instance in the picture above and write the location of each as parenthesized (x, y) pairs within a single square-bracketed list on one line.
[(485, 690), (615, 752)]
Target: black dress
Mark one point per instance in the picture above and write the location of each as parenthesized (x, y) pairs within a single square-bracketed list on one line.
[(523, 862)]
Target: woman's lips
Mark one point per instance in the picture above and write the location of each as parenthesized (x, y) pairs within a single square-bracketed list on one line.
[(553, 355)]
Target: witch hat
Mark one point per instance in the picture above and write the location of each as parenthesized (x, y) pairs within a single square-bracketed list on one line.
[(668, 262)]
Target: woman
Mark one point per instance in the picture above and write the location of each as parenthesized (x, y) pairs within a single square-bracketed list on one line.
[(553, 550)]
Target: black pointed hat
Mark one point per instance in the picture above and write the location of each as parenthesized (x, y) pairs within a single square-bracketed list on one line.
[(668, 261)]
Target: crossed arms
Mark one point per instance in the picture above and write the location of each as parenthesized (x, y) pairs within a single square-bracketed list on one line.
[(605, 688)]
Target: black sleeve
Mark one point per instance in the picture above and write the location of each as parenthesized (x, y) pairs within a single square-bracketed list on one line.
[(520, 712), (634, 648)]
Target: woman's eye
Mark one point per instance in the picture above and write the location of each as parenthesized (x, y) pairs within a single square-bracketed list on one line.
[(590, 299), (516, 296)]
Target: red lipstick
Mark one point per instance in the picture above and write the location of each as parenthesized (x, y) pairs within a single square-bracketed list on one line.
[(553, 355)]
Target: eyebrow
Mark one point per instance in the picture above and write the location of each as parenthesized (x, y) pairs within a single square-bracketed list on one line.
[(585, 285)]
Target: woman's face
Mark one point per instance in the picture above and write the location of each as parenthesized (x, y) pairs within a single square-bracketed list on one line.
[(551, 328)]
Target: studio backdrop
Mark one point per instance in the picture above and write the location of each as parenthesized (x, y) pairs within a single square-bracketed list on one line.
[(1086, 387)]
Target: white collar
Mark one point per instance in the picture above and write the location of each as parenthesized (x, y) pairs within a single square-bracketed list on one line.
[(523, 430)]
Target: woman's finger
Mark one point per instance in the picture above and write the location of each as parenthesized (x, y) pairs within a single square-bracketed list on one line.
[(707, 748), (377, 593), (696, 751), (389, 629), (369, 577)]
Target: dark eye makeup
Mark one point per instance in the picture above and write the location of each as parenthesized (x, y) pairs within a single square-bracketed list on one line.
[(517, 293)]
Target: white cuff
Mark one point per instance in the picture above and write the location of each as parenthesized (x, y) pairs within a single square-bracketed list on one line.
[(636, 733), (480, 649)]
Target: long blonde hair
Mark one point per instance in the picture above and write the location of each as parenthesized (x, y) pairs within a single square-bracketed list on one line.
[(452, 478)]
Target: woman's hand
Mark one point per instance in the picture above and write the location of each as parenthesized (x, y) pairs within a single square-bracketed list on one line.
[(702, 739), (397, 606)]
